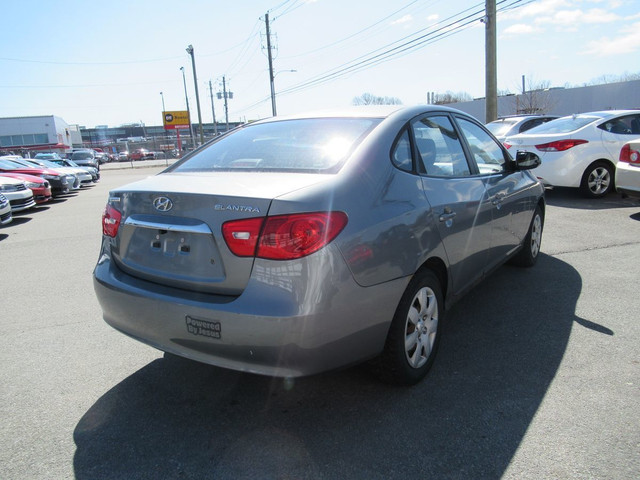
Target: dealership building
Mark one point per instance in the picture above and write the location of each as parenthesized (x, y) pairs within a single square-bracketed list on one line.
[(42, 133)]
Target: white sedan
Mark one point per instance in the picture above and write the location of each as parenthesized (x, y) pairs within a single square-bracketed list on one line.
[(5, 210), (628, 169), (20, 197), (581, 150)]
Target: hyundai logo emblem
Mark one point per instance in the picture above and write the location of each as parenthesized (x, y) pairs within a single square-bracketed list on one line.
[(162, 204)]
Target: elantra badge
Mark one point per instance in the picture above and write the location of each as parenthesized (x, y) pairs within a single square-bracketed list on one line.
[(162, 204)]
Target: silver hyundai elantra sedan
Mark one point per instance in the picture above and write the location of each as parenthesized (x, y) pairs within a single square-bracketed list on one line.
[(296, 245)]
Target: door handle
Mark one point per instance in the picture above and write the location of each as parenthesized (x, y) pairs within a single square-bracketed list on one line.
[(447, 215), (497, 199)]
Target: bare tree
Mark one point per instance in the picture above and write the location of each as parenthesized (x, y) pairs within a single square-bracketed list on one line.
[(369, 99), (603, 79), (536, 99), (451, 97)]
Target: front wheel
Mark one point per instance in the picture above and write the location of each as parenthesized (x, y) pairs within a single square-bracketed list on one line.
[(597, 180), (414, 335)]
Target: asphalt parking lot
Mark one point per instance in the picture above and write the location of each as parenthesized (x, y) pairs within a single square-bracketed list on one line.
[(537, 375)]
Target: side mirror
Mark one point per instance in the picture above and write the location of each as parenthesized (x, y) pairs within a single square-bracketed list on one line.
[(527, 160)]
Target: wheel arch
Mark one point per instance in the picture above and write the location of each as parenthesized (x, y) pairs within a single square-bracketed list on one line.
[(439, 268)]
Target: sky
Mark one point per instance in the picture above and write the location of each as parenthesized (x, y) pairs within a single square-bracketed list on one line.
[(106, 63)]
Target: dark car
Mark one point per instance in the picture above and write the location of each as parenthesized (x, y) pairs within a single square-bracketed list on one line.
[(85, 158), (296, 245)]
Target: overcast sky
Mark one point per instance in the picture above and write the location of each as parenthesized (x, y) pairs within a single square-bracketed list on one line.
[(105, 63)]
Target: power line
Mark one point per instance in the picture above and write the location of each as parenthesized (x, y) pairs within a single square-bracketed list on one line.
[(338, 42), (369, 60)]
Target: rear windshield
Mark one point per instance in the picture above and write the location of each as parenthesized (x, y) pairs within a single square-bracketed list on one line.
[(82, 156), (564, 124), (307, 145), (500, 127)]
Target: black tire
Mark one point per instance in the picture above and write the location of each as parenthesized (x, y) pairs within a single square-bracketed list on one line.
[(527, 256), (414, 335), (597, 180)]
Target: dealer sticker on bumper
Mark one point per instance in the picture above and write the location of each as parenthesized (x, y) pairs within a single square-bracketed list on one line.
[(204, 328)]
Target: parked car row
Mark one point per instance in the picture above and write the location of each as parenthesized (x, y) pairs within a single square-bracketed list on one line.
[(581, 151), (25, 182)]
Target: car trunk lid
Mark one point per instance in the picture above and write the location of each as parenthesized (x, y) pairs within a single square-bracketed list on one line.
[(171, 226)]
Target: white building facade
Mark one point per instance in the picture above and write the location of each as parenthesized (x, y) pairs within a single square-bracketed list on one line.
[(42, 133)]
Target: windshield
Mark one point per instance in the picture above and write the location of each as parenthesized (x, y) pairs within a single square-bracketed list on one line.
[(82, 156), (307, 145), (564, 124), (49, 163), (500, 127), (7, 165)]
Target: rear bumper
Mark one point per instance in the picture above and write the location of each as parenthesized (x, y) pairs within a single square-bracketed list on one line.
[(628, 180), (283, 324)]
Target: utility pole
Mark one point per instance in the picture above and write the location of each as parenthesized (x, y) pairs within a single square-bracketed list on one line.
[(213, 111), (271, 77), (226, 108), (491, 75)]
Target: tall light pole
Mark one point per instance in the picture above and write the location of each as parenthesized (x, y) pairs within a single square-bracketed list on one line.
[(162, 95), (195, 82), (271, 75), (186, 98)]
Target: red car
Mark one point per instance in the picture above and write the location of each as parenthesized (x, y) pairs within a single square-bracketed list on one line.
[(59, 183), (141, 154), (39, 186)]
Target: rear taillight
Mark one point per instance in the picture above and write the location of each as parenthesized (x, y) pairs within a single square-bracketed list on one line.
[(283, 237), (507, 145), (560, 145), (110, 221), (630, 155)]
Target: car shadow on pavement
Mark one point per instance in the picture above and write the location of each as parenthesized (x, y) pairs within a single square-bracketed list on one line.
[(18, 219), (572, 198), (501, 348)]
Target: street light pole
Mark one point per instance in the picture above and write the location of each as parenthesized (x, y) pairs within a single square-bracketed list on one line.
[(186, 98), (163, 109), (195, 82)]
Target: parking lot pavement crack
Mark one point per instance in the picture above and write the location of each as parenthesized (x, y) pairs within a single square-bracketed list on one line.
[(591, 248)]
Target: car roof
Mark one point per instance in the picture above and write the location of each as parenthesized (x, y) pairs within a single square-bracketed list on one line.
[(605, 113), (367, 111), (523, 117)]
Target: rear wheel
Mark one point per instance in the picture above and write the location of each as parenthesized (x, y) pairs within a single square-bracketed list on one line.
[(528, 254), (597, 180), (414, 334)]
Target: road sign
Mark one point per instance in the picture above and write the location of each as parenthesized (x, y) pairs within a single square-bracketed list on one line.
[(175, 120)]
